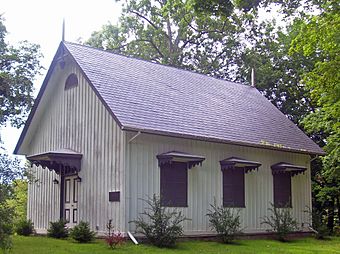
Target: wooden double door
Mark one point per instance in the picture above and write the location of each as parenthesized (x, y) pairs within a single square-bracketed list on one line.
[(70, 200)]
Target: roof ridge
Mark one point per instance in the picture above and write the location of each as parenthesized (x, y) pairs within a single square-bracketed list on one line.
[(159, 64)]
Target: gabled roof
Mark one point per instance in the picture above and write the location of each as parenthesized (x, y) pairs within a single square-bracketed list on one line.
[(153, 98)]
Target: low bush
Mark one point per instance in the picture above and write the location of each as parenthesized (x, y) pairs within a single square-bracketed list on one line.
[(318, 225), (226, 221), (82, 233), (281, 222), (24, 227), (58, 229), (6, 226), (336, 230), (160, 225), (112, 238)]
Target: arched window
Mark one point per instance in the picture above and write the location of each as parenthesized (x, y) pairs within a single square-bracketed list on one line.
[(71, 81)]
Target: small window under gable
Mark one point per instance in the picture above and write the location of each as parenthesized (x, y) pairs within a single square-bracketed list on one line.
[(71, 81), (234, 170), (174, 177), (282, 174)]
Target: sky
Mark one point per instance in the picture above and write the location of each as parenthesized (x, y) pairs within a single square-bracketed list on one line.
[(40, 22)]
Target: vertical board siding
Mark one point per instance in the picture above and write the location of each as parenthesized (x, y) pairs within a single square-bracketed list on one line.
[(205, 182), (76, 119)]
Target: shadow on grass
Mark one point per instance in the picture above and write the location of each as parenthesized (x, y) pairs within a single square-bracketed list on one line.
[(234, 243)]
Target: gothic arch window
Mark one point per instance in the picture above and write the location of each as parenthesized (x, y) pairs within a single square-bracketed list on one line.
[(71, 81)]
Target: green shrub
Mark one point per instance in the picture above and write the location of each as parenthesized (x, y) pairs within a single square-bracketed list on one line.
[(24, 227), (6, 226), (58, 229), (336, 230), (160, 226), (318, 226), (226, 221), (82, 233), (281, 222)]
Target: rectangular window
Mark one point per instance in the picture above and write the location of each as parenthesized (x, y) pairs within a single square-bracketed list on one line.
[(174, 184), (282, 190), (233, 187)]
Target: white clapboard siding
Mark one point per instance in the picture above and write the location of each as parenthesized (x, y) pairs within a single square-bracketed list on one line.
[(205, 182), (76, 119)]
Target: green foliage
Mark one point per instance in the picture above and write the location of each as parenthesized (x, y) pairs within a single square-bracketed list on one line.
[(174, 33), (6, 226), (18, 67), (10, 169), (318, 225), (58, 229), (281, 222), (214, 7), (319, 35), (18, 201), (82, 233), (24, 227), (226, 221), (337, 230), (160, 225), (225, 7), (277, 74)]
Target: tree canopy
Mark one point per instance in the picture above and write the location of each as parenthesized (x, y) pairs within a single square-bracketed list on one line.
[(18, 67), (179, 33), (320, 35)]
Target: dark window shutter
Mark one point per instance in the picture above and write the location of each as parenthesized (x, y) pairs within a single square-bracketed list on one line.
[(233, 187), (174, 184), (282, 190)]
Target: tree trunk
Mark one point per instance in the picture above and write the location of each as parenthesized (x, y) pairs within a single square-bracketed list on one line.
[(338, 211), (330, 220)]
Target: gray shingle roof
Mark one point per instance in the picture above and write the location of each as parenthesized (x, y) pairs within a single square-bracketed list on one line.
[(160, 99)]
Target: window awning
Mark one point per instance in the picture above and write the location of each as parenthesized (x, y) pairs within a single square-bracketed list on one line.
[(65, 160), (234, 162), (284, 167), (191, 159)]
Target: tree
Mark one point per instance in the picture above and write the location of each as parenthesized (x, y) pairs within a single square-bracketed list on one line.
[(10, 169), (278, 74), (320, 35), (18, 201), (171, 32), (18, 67)]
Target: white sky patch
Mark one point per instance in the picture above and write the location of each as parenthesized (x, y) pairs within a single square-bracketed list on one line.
[(40, 22)]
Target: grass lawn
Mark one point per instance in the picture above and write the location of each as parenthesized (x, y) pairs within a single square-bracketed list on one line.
[(44, 245)]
